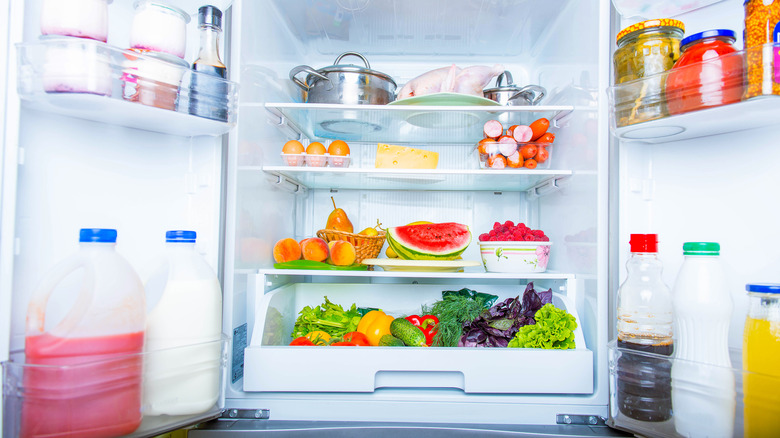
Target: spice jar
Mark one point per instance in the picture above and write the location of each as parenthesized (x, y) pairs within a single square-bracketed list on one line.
[(159, 27), (708, 73), (761, 29), (760, 356), (75, 18), (645, 50)]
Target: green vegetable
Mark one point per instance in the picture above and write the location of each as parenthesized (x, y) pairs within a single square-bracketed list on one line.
[(404, 330), (554, 329), (390, 341), (455, 308), (328, 317)]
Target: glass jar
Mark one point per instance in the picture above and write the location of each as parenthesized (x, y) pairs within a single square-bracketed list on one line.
[(761, 28), (708, 73), (153, 78), (644, 51), (75, 18), (760, 356), (159, 27)]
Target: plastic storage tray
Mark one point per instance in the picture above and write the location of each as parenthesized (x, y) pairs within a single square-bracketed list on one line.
[(95, 81), (86, 399), (275, 366)]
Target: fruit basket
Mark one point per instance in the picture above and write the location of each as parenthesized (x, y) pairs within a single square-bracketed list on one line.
[(366, 247)]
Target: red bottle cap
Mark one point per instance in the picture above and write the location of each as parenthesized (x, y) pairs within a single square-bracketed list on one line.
[(644, 243)]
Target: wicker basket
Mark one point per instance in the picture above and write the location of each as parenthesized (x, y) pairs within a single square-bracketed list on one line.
[(366, 247)]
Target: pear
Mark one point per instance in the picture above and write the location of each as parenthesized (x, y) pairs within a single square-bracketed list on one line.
[(371, 231), (338, 220)]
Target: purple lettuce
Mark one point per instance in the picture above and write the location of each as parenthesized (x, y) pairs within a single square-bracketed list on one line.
[(498, 325)]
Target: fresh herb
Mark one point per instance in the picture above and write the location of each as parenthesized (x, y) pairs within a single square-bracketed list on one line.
[(554, 329), (454, 309), (328, 317)]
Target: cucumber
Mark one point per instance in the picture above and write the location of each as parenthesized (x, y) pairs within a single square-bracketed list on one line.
[(390, 341), (406, 331)]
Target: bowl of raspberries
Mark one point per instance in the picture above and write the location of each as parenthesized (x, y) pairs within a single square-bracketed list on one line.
[(514, 248)]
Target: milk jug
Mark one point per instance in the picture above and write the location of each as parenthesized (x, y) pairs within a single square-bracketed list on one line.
[(86, 375), (183, 332)]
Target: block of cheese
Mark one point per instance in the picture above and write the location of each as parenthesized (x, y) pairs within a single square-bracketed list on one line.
[(403, 157)]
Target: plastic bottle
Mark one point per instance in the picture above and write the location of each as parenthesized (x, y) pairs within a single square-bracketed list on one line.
[(208, 95), (703, 391), (88, 379), (183, 332), (644, 324)]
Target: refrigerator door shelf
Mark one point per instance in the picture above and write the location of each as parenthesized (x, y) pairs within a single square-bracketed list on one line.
[(272, 365)]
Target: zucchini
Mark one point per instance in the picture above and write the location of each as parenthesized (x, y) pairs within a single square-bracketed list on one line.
[(390, 341), (404, 330)]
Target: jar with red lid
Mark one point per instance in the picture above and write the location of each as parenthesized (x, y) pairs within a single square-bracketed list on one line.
[(709, 73)]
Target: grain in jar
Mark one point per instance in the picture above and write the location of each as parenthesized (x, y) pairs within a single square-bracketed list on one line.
[(761, 21), (645, 51)]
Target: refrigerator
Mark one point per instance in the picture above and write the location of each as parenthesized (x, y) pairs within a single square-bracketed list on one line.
[(76, 160)]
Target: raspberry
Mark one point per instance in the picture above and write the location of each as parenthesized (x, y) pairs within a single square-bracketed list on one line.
[(509, 224), (528, 238), (538, 233), (484, 236), (545, 239), (492, 233), (521, 225), (496, 225)]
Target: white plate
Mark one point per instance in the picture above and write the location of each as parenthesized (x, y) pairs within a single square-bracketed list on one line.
[(446, 99), (421, 265)]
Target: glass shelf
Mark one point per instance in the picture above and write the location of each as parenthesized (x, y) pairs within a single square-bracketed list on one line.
[(512, 180), (476, 273), (404, 123)]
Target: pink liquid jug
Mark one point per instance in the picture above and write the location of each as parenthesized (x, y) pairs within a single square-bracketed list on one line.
[(82, 377)]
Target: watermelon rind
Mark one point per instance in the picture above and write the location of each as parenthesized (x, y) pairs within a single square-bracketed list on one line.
[(410, 250)]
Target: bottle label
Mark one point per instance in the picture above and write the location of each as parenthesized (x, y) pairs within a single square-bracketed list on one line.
[(776, 53)]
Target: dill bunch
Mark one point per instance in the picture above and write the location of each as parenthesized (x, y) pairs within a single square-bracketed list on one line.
[(453, 310)]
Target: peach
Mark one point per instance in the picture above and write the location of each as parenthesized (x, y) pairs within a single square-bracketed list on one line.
[(286, 250), (342, 253), (315, 249)]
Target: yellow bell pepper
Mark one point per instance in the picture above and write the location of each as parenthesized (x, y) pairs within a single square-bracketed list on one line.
[(374, 325), (318, 337)]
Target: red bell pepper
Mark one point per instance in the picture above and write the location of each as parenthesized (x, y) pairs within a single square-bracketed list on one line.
[(427, 324)]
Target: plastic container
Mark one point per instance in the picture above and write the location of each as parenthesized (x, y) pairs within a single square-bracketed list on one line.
[(644, 323), (760, 356), (708, 73), (508, 154), (646, 49), (762, 27), (159, 27), (294, 160), (338, 160), (188, 312), (103, 331), (153, 79), (703, 391), (76, 66), (76, 18), (515, 256)]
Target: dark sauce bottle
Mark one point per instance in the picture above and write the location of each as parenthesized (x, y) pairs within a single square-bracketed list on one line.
[(208, 94), (644, 382)]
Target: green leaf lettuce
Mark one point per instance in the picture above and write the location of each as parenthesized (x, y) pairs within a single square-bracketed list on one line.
[(554, 329)]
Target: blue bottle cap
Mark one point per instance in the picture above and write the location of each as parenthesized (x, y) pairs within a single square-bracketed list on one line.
[(105, 235), (181, 236), (709, 34), (763, 288)]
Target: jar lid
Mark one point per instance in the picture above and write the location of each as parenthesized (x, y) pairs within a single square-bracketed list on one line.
[(644, 242), (764, 288), (180, 236), (105, 235), (701, 248), (709, 34), (650, 24)]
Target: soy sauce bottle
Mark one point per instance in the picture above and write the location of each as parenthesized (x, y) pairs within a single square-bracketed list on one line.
[(209, 91), (645, 320)]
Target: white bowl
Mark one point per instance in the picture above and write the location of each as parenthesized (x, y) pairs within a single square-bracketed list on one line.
[(515, 256)]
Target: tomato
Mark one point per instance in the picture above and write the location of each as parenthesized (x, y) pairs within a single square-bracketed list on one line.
[(357, 338), (547, 137), (303, 340), (539, 127), (530, 163), (542, 155), (528, 151), (318, 337), (344, 344)]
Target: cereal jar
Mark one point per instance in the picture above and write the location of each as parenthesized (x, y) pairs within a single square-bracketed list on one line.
[(761, 22)]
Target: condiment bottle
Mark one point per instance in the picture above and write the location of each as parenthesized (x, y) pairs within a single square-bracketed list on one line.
[(703, 391), (644, 312), (183, 332), (90, 361), (761, 19), (645, 50), (208, 90), (709, 73), (760, 358)]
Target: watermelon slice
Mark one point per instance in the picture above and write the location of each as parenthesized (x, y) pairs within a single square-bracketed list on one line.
[(445, 241)]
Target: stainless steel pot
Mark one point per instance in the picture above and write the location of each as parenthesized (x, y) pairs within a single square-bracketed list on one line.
[(345, 83), (511, 94)]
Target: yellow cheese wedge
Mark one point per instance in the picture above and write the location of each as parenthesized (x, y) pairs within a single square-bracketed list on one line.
[(402, 157)]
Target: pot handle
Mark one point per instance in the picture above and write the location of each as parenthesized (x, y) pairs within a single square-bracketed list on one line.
[(365, 61), (500, 77), (305, 68), (538, 91)]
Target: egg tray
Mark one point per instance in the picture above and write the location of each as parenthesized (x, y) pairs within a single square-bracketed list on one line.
[(366, 247)]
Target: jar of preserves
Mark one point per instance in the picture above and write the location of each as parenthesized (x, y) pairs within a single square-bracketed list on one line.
[(708, 73), (645, 50), (762, 18)]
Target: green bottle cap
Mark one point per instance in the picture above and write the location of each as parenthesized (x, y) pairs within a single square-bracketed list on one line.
[(701, 248)]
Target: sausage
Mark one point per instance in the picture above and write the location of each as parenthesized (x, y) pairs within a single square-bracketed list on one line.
[(515, 160), (507, 145), (539, 126), (493, 129), (522, 133)]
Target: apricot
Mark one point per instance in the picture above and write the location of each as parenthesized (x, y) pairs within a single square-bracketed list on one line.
[(287, 250), (315, 249), (342, 253)]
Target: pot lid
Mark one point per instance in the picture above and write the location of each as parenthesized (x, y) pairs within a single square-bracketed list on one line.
[(351, 68), (510, 86)]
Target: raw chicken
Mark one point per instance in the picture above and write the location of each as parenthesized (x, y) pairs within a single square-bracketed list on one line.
[(470, 80)]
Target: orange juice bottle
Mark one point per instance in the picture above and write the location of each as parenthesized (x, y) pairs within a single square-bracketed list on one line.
[(761, 361)]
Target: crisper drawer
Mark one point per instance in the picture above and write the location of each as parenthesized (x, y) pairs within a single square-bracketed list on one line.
[(270, 365)]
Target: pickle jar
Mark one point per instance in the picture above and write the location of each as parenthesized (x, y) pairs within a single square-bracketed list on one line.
[(645, 51)]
